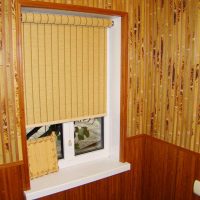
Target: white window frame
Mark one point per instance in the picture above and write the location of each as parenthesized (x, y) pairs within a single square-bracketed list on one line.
[(111, 148)]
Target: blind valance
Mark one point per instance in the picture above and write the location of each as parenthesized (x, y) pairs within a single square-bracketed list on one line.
[(64, 67)]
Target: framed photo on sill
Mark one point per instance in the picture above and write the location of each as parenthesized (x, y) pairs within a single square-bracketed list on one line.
[(88, 135), (42, 131)]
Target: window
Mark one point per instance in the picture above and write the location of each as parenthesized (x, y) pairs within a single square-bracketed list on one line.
[(109, 165), (88, 135), (76, 91)]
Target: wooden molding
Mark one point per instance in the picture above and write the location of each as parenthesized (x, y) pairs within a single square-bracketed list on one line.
[(24, 168), (69, 7), (124, 85)]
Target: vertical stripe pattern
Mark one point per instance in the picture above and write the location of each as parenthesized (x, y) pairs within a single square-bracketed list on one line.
[(64, 67)]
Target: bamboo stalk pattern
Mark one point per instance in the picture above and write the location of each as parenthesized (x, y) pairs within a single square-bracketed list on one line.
[(10, 131)]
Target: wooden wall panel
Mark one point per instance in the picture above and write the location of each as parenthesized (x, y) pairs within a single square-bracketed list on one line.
[(197, 175), (159, 171), (169, 171), (134, 150), (185, 175), (11, 186)]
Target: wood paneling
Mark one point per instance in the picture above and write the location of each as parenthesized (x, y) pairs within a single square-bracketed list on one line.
[(169, 171), (185, 175), (159, 171), (134, 150), (11, 186)]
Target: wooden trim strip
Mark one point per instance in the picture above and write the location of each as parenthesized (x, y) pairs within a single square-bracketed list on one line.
[(75, 8), (124, 85), (25, 168)]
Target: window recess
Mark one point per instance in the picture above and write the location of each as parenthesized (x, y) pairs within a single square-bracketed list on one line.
[(109, 103)]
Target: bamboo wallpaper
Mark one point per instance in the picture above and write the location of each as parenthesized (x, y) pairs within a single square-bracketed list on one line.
[(10, 132), (173, 98), (164, 62)]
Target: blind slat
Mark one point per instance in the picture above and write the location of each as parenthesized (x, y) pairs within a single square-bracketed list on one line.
[(55, 73), (28, 74), (34, 72), (68, 78), (105, 69), (96, 70), (86, 71), (49, 77), (61, 70), (74, 71), (91, 70), (42, 72), (101, 70), (80, 70)]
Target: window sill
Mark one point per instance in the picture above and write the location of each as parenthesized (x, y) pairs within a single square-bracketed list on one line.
[(71, 177)]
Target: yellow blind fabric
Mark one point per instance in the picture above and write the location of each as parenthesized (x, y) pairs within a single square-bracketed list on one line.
[(64, 67)]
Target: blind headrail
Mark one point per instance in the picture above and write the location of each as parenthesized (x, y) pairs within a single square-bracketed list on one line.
[(40, 18)]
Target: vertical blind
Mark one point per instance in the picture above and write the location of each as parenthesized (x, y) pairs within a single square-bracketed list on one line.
[(64, 67)]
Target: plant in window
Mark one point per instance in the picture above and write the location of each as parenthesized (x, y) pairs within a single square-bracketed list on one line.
[(88, 135)]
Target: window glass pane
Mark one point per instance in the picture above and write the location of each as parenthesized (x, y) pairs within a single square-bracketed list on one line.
[(42, 131), (88, 135)]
